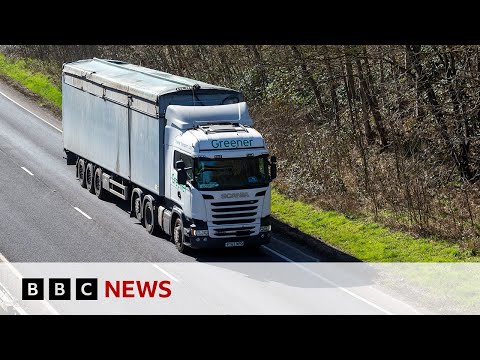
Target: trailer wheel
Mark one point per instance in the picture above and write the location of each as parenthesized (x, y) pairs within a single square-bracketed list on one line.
[(81, 172), (97, 183), (89, 173), (149, 217), (177, 235)]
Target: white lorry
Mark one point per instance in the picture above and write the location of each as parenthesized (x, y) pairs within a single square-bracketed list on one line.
[(182, 152)]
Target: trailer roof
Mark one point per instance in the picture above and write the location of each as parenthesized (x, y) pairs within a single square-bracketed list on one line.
[(132, 79)]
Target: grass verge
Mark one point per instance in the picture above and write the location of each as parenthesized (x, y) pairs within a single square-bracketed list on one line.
[(367, 241), (38, 83), (363, 239)]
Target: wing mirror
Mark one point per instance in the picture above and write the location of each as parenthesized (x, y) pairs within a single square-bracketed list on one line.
[(273, 167)]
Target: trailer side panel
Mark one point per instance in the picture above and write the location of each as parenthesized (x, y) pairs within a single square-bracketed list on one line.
[(146, 141), (96, 129)]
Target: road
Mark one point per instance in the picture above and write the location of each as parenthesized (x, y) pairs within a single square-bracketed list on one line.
[(45, 216)]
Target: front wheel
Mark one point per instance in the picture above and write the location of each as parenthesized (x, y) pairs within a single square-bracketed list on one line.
[(178, 236)]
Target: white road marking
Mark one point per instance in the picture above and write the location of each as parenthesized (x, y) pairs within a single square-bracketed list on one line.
[(328, 281), (278, 254), (295, 249), (49, 307), (9, 299), (81, 212), (165, 273), (24, 108), (27, 171)]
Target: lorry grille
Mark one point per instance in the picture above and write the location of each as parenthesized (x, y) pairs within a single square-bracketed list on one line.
[(235, 218), (234, 212)]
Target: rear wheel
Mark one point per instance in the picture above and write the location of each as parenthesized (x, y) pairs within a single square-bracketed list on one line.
[(89, 173), (177, 235), (81, 172), (149, 217), (97, 184)]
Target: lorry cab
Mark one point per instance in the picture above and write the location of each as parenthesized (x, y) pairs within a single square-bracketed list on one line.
[(219, 175)]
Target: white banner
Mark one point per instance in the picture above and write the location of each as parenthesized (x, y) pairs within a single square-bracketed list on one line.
[(239, 288)]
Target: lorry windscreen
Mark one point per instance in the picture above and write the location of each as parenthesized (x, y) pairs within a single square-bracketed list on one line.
[(228, 174)]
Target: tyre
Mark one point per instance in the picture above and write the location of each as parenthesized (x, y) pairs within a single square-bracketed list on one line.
[(137, 207), (178, 236), (81, 172), (97, 184), (149, 218), (89, 173)]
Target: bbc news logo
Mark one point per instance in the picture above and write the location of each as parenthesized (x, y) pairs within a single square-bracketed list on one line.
[(87, 289), (59, 289)]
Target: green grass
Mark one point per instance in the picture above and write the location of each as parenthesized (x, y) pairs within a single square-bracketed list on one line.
[(367, 241), (18, 71)]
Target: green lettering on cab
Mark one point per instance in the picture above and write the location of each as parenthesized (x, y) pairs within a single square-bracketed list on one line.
[(231, 143)]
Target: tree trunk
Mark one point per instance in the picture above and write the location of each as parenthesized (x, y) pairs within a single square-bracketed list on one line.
[(333, 92), (426, 87), (352, 97), (372, 98), (259, 65), (461, 123), (310, 80), (372, 103)]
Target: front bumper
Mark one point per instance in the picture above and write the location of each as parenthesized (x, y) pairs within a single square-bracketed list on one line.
[(207, 242)]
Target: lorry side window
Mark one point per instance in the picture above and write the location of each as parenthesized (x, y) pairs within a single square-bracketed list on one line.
[(177, 156)]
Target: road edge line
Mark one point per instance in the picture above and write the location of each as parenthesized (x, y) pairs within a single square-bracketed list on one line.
[(31, 112), (358, 297), (165, 272)]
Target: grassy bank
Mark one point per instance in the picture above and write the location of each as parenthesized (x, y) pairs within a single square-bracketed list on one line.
[(20, 72), (361, 238)]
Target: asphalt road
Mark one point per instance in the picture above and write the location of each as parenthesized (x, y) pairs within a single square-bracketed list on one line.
[(45, 216), (39, 221)]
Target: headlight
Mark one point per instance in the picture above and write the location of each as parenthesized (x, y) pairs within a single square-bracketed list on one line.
[(196, 232), (266, 228)]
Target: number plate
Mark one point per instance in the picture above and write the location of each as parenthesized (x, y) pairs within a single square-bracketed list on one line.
[(234, 243)]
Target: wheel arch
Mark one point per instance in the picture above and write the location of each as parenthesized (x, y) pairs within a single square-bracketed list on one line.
[(176, 213)]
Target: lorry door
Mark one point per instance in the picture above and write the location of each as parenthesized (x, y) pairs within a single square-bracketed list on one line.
[(181, 194)]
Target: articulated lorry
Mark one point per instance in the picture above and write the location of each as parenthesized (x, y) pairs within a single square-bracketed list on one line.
[(182, 152)]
